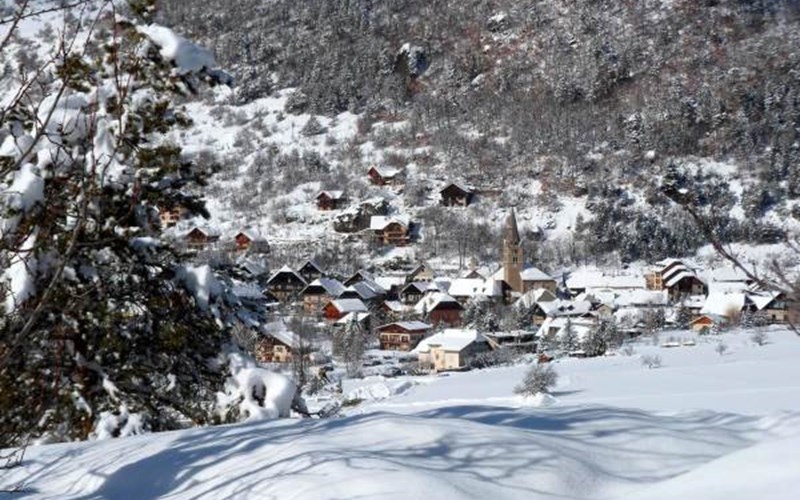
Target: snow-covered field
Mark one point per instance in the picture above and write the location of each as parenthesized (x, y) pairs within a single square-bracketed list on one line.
[(703, 425)]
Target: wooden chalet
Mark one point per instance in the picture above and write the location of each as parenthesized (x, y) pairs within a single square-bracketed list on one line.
[(250, 241), (366, 291), (319, 292), (402, 335), (438, 307), (285, 284), (384, 176), (456, 195), (706, 322), (276, 344), (201, 238), (311, 270), (413, 292), (339, 308), (422, 272), (390, 231), (331, 200), (171, 216)]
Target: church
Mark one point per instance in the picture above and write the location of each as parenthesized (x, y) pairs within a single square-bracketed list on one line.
[(519, 278)]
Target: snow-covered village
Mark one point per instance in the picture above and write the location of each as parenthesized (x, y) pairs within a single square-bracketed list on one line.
[(378, 249)]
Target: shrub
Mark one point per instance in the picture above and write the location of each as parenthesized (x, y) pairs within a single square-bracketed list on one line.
[(721, 348), (540, 378), (759, 337), (651, 361)]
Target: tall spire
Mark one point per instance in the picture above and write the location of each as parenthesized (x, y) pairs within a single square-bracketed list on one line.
[(512, 233)]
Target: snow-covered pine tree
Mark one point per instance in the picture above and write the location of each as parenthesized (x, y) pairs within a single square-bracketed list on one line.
[(569, 341), (103, 331)]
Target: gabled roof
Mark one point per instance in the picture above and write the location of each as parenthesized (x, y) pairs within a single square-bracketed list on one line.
[(334, 195), (558, 308), (534, 274), (349, 305), (457, 185), (764, 299), (388, 282), (286, 270), (466, 287), (411, 326), (380, 222), (363, 290), (432, 301), (329, 286), (394, 305), (279, 331), (451, 339), (675, 278), (384, 171), (250, 234), (724, 304), (206, 231), (313, 264), (581, 327), (419, 286), (531, 297)]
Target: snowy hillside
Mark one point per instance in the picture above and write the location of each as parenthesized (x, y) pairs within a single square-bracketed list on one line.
[(703, 425)]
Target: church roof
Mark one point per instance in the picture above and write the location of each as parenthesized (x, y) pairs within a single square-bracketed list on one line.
[(511, 231)]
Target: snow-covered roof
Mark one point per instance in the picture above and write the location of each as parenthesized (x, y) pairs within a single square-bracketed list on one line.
[(466, 287), (386, 171), (678, 276), (330, 286), (409, 325), (251, 234), (762, 300), (451, 339), (334, 195), (349, 305), (724, 304), (432, 300), (531, 297), (460, 186), (534, 274), (565, 307), (387, 282), (247, 290), (380, 222), (641, 298), (286, 269), (727, 275), (598, 280), (210, 232), (484, 272), (394, 305), (280, 331), (421, 286)]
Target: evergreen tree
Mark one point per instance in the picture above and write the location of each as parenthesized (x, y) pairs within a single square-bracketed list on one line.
[(102, 324), (569, 341)]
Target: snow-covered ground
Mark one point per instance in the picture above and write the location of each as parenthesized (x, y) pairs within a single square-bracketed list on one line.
[(703, 425)]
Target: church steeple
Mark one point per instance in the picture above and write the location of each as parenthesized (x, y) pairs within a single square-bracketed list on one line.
[(512, 253)]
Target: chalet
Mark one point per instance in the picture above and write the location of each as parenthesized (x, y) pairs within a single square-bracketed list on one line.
[(402, 335), (438, 307), (384, 176), (319, 292), (250, 241), (451, 349), (772, 306), (311, 270), (276, 344), (422, 272), (654, 279), (391, 284), (331, 200), (413, 292), (171, 216), (394, 309), (358, 276), (201, 237), (367, 291), (339, 308), (456, 195), (534, 278), (394, 231), (285, 284)]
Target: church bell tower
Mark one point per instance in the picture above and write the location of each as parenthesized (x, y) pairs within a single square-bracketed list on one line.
[(512, 253)]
